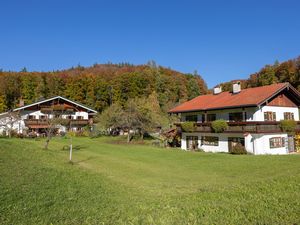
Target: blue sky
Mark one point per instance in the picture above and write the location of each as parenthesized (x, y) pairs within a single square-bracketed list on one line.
[(222, 40)]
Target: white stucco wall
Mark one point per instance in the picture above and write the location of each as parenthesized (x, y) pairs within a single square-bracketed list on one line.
[(254, 143), (37, 114), (259, 114), (262, 144), (223, 141)]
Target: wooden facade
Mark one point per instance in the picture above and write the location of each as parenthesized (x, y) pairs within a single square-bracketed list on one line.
[(282, 100)]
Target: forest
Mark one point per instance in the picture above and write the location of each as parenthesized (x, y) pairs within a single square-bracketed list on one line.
[(287, 71), (101, 85)]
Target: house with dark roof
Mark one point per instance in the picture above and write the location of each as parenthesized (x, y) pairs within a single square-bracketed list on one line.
[(253, 118), (35, 117)]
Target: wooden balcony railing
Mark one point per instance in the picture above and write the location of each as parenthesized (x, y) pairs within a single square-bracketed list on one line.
[(45, 122), (244, 127), (79, 122)]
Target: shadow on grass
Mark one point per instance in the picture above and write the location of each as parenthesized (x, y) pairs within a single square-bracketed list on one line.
[(81, 161), (74, 148)]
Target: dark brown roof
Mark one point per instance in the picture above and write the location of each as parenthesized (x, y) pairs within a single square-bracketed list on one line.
[(246, 98)]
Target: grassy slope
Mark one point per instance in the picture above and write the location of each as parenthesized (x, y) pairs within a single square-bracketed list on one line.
[(140, 184)]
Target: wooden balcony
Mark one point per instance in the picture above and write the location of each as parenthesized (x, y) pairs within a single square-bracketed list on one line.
[(243, 127), (79, 122), (45, 122)]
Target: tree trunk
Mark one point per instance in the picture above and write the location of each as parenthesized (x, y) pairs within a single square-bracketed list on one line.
[(128, 136), (46, 144), (47, 140)]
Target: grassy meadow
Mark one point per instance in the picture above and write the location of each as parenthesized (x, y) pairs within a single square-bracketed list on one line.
[(111, 183)]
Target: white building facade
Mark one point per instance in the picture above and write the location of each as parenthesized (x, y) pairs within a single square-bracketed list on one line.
[(253, 116)]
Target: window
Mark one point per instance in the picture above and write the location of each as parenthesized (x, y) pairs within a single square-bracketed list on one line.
[(236, 117), (211, 117), (208, 140), (69, 117), (43, 117), (31, 117), (80, 117), (277, 142), (288, 116), (270, 116), (192, 142), (192, 118)]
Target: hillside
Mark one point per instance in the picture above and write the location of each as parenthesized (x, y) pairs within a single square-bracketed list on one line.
[(100, 85), (288, 71)]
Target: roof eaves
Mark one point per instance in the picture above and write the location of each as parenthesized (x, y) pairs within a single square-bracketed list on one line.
[(56, 97), (216, 108)]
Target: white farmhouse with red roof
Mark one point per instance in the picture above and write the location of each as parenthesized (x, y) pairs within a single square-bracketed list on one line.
[(253, 116), (34, 118)]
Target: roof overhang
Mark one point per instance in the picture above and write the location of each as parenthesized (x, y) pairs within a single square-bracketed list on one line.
[(53, 98), (211, 109), (289, 87)]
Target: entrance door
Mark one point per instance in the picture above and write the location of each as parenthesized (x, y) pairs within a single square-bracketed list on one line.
[(234, 141), (291, 143), (192, 142)]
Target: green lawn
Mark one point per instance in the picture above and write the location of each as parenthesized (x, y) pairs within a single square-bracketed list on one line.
[(135, 184)]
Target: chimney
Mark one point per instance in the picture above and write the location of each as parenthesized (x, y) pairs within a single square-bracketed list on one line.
[(236, 87), (217, 90)]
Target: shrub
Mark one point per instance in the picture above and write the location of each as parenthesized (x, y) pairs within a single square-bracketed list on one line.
[(188, 126), (71, 133), (238, 149), (219, 126), (82, 133), (288, 126)]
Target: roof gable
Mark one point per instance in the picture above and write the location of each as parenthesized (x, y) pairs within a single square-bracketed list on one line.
[(246, 98), (54, 98)]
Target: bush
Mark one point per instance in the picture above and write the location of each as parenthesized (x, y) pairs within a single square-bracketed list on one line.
[(288, 126), (71, 133), (238, 149), (188, 126), (219, 126), (82, 133)]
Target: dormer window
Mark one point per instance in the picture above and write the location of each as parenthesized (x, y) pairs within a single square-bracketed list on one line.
[(270, 116)]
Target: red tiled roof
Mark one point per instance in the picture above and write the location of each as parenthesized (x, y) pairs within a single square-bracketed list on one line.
[(247, 97)]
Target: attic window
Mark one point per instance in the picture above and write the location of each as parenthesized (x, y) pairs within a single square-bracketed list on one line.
[(288, 116), (270, 116)]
